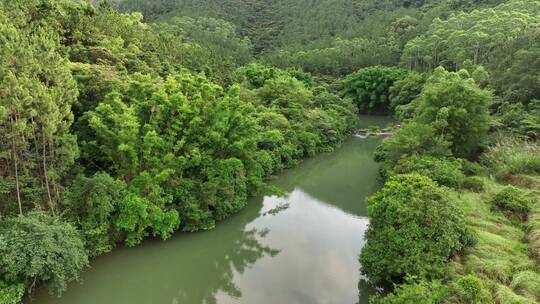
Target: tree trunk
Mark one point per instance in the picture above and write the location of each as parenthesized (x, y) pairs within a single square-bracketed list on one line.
[(16, 164), (46, 178)]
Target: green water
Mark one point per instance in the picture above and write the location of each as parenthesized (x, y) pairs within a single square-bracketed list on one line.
[(302, 248)]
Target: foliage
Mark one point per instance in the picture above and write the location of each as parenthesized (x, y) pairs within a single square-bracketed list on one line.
[(92, 203), (446, 172), (501, 257), (470, 35), (471, 168), (213, 45), (40, 248), (533, 226), (404, 92), (176, 126), (175, 166), (37, 92), (411, 139), (513, 200), (421, 292), (473, 183), (470, 289), (520, 120), (415, 227), (370, 88), (527, 282), (457, 109), (11, 294), (295, 120), (340, 58)]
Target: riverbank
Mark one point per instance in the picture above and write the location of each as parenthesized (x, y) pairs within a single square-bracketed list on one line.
[(496, 205), (276, 243)]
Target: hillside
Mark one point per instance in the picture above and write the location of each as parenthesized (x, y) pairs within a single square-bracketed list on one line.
[(124, 122), (304, 24)]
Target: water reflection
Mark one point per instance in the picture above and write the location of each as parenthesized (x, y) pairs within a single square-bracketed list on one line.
[(343, 178), (317, 262)]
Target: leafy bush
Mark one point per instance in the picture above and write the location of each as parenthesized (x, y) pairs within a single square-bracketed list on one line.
[(415, 227), (91, 204), (411, 139), (472, 168), (473, 183), (11, 294), (422, 292), (470, 289), (38, 247), (513, 201), (444, 171), (369, 88)]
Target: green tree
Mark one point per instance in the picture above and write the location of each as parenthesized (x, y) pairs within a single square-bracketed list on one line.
[(415, 227), (36, 96), (11, 294), (176, 142), (444, 171), (92, 204), (38, 248), (457, 109), (411, 139), (370, 88)]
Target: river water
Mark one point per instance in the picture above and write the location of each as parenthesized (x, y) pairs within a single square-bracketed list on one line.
[(298, 249)]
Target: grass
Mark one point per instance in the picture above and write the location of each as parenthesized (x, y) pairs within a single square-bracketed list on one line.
[(503, 257), (511, 157)]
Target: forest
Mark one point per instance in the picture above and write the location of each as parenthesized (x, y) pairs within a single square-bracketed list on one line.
[(128, 120)]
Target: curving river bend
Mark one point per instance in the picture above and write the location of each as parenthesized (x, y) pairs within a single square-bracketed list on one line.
[(298, 249)]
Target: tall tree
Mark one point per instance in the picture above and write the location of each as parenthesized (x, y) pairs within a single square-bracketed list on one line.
[(35, 115)]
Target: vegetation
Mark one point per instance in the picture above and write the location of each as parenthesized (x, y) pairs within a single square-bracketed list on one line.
[(124, 120), (415, 227), (39, 248), (370, 88), (117, 130)]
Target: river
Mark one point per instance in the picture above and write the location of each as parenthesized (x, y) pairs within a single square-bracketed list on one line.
[(298, 249)]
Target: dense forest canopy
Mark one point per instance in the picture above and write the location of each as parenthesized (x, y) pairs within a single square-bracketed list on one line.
[(123, 120)]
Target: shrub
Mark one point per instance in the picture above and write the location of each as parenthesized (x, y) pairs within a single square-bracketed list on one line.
[(11, 294), (444, 171), (472, 168), (411, 139), (38, 247), (90, 204), (415, 227), (470, 289), (513, 201), (474, 184), (422, 292)]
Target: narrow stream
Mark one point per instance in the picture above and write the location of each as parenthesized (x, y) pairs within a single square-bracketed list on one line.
[(302, 248)]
